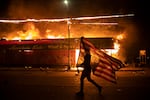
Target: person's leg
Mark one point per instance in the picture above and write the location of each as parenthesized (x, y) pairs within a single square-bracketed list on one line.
[(81, 92), (82, 82), (93, 82)]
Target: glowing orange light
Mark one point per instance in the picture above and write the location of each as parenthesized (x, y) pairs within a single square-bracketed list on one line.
[(121, 36), (77, 51), (54, 37), (114, 52), (14, 38)]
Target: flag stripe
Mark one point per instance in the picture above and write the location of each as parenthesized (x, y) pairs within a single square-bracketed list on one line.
[(105, 70), (106, 76), (105, 73), (105, 62), (104, 66), (102, 76)]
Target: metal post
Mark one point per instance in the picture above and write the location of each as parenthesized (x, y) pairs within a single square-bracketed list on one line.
[(68, 26), (66, 2)]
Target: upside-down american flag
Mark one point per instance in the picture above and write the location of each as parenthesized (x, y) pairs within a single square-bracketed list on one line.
[(102, 64)]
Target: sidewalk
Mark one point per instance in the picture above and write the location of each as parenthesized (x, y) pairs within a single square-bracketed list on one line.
[(133, 69)]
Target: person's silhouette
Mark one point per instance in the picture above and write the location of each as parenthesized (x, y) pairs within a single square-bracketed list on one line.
[(86, 73)]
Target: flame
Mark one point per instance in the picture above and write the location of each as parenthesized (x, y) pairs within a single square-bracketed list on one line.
[(31, 32), (77, 51), (50, 36), (116, 48), (114, 52), (120, 36)]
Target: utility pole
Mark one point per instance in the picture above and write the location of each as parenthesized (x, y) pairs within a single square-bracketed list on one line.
[(68, 25), (66, 2)]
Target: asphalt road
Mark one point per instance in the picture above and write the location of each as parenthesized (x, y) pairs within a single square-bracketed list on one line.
[(59, 85)]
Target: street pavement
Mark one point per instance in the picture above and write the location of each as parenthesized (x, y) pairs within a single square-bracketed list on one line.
[(40, 84)]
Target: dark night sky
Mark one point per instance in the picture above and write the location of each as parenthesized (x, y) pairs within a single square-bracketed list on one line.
[(56, 8), (17, 9)]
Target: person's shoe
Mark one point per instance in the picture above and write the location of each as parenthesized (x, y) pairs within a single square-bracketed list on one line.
[(80, 93), (100, 89)]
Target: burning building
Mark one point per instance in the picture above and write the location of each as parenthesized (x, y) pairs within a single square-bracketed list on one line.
[(45, 52), (47, 42)]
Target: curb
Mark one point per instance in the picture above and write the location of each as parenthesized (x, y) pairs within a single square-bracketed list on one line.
[(132, 69), (64, 69)]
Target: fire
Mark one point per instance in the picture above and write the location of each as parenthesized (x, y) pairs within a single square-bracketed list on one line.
[(53, 37), (120, 36), (50, 36), (76, 55), (116, 49), (114, 52), (77, 51), (31, 32)]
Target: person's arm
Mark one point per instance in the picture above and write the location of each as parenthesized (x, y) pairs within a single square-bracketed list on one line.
[(82, 64)]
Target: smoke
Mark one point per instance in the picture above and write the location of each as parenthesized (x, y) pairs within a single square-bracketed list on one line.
[(23, 9), (129, 42), (94, 30)]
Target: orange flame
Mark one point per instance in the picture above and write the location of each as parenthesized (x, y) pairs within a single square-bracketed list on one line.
[(114, 52), (30, 33), (120, 36), (50, 36)]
